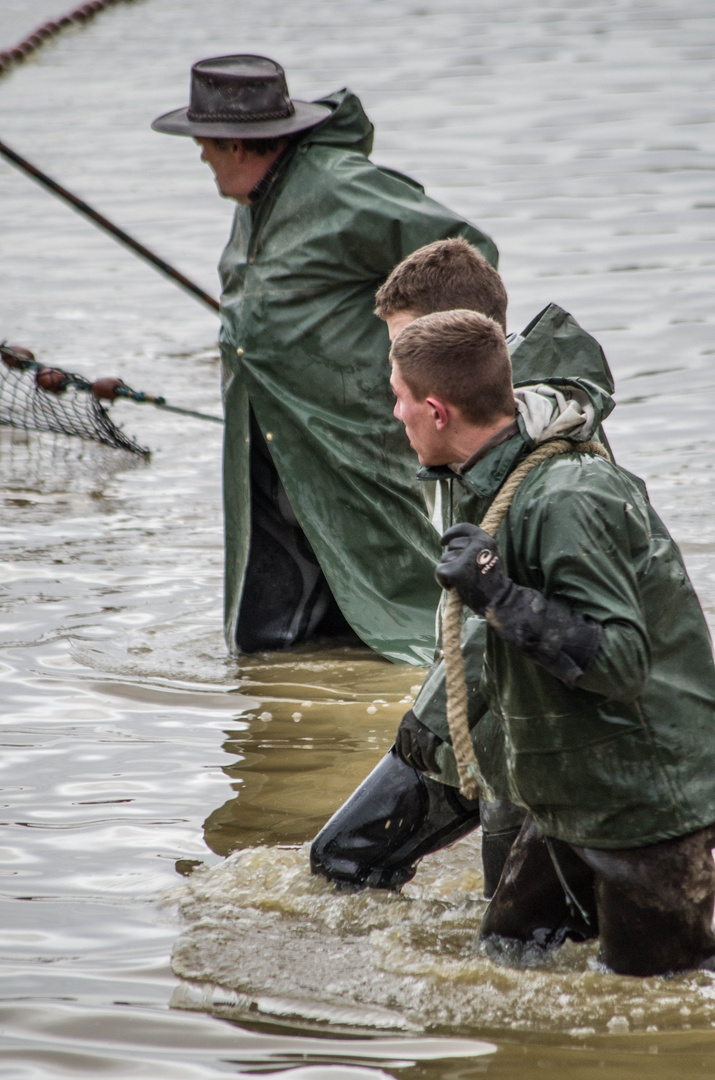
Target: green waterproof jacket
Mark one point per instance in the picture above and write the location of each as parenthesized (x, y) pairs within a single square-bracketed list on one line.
[(300, 343), (627, 757), (552, 345)]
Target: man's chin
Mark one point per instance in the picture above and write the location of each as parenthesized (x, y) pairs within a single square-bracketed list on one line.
[(430, 457), (430, 460)]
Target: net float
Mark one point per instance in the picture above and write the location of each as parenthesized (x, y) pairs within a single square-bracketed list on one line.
[(52, 379), (16, 356), (106, 389)]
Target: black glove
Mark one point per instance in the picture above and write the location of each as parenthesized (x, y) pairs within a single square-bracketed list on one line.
[(471, 565), (416, 744), (548, 632)]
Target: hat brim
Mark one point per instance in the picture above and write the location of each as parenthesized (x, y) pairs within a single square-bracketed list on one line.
[(306, 115)]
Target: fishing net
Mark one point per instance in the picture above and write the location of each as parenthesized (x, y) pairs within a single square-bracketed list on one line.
[(37, 398)]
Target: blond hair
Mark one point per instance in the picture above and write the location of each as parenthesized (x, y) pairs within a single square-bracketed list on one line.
[(460, 356), (444, 276)]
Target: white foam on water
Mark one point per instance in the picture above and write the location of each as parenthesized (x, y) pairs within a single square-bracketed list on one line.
[(265, 938), (330, 1072)]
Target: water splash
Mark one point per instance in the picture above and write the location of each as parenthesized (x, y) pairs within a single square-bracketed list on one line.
[(264, 937)]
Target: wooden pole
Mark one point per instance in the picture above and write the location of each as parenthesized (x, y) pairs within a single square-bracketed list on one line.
[(119, 234)]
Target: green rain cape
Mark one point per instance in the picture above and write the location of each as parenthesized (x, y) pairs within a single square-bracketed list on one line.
[(300, 343)]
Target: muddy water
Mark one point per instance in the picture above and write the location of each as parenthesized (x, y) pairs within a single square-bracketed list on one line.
[(581, 137)]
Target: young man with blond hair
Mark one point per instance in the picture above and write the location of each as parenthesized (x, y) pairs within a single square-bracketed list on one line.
[(598, 665), (441, 276)]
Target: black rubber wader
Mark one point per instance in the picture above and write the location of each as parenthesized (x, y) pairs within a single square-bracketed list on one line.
[(286, 599), (398, 815), (652, 907)]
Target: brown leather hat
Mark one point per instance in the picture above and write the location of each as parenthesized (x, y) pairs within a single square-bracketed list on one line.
[(244, 97)]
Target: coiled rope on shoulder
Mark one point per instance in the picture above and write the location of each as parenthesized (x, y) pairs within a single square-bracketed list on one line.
[(471, 782)]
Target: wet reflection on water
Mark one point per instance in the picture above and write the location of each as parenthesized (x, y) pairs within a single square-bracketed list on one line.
[(321, 723), (582, 139)]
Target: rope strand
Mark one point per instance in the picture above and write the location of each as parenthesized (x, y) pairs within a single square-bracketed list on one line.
[(471, 781)]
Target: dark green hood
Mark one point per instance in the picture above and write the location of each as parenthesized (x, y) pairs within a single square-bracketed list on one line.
[(555, 345), (550, 409), (347, 127)]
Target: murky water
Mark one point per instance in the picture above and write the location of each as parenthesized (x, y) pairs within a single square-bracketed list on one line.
[(582, 138)]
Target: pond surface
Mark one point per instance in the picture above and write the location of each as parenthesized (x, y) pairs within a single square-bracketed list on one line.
[(582, 137)]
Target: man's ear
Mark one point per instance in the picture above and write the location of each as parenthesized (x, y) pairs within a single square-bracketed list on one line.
[(441, 411)]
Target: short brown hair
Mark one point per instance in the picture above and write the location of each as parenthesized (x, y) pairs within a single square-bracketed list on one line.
[(461, 356), (444, 276)]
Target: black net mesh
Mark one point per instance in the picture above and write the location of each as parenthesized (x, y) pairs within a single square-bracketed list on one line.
[(73, 410)]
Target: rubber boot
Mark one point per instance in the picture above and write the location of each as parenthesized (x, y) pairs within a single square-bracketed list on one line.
[(501, 824), (531, 908), (396, 816), (286, 598), (655, 904)]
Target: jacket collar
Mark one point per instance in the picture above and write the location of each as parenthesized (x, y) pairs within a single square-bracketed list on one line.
[(488, 474), (259, 190), (503, 435)]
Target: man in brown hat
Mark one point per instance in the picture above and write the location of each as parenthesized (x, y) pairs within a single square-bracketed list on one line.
[(319, 479)]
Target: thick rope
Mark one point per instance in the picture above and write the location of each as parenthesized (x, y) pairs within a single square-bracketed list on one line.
[(471, 782), (50, 29)]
